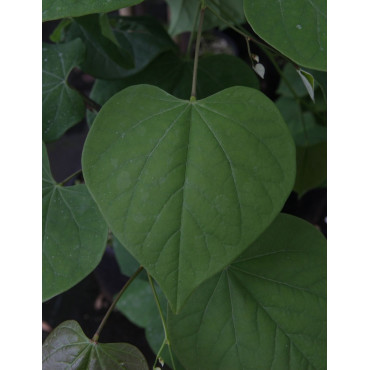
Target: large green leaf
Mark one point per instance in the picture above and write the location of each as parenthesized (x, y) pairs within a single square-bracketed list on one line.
[(62, 107), (55, 9), (74, 234), (174, 75), (184, 12), (302, 125), (187, 186), (311, 167), (67, 347), (266, 311), (144, 37), (297, 28)]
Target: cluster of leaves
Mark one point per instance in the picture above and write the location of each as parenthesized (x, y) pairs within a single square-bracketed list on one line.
[(192, 190)]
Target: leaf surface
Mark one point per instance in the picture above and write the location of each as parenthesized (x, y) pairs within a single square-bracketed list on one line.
[(186, 187), (74, 234), (62, 107), (297, 28), (267, 310), (67, 347), (55, 9)]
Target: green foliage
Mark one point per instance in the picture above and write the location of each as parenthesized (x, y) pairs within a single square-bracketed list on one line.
[(177, 179), (74, 233), (67, 347), (62, 107), (253, 315), (297, 28), (55, 9), (191, 188)]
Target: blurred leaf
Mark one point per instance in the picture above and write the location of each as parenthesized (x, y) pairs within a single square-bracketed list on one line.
[(183, 13), (143, 37), (302, 125), (295, 28), (267, 310), (62, 107), (308, 82), (311, 168), (174, 75), (55, 9), (58, 33), (74, 233), (67, 347)]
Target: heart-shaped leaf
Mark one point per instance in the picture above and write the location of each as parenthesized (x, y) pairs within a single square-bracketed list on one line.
[(267, 310), (67, 347), (297, 28), (187, 186), (62, 107), (55, 9), (174, 75), (74, 234)]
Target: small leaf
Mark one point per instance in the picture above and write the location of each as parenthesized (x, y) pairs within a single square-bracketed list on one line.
[(74, 234), (187, 186), (58, 32), (55, 9), (259, 69), (267, 310), (308, 82), (295, 28), (67, 347), (62, 107)]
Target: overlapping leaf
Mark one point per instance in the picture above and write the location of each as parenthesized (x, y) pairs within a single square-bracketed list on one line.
[(62, 107), (297, 28), (174, 75), (67, 347), (143, 37), (183, 14), (187, 186), (74, 234), (55, 9), (267, 310)]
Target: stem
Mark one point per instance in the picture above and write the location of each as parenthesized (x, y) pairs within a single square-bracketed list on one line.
[(166, 340), (100, 328), (90, 104), (196, 57), (192, 34), (70, 177)]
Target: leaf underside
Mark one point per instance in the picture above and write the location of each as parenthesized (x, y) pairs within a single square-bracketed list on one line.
[(267, 310), (186, 187), (67, 347)]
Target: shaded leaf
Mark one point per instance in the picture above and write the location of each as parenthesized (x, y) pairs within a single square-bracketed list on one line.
[(55, 9), (174, 75), (58, 33), (145, 37), (311, 167), (295, 28), (267, 310), (302, 125), (67, 347), (74, 234), (187, 186), (184, 12), (62, 107)]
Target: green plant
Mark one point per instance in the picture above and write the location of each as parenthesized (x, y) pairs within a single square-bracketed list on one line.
[(189, 165)]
